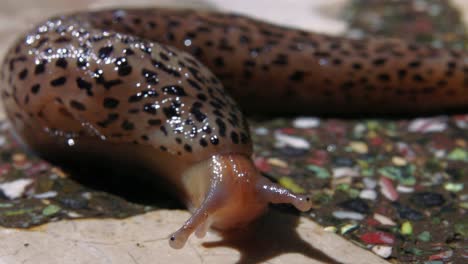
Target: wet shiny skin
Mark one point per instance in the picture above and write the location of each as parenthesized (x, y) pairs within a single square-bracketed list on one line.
[(113, 84)]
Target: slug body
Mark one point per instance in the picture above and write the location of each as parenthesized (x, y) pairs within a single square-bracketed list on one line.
[(121, 86)]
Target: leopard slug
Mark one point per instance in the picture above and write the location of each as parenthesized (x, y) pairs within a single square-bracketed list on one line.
[(144, 88)]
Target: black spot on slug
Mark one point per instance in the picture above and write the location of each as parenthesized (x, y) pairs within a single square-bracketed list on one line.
[(154, 122), (105, 52), (126, 125), (150, 76), (110, 103), (203, 142), (62, 63), (174, 90), (188, 148), (59, 81), (234, 137), (35, 88), (151, 108), (40, 68), (221, 127), (214, 140), (77, 105), (297, 76), (23, 74)]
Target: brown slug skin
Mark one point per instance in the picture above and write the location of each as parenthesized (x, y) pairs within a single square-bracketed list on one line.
[(120, 86)]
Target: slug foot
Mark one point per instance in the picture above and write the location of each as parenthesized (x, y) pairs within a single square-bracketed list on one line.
[(234, 195)]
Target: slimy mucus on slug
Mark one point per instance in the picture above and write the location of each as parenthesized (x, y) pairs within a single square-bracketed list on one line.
[(113, 83)]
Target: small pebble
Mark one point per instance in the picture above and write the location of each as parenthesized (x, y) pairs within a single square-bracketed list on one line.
[(74, 214), (384, 220), (382, 251), (368, 194), (399, 161), (283, 140), (306, 122), (427, 125), (461, 121), (15, 189), (261, 131), (377, 237), (406, 212), (458, 154), (348, 215), (370, 183), (343, 162), (45, 195), (319, 172), (293, 152), (427, 199), (345, 171), (359, 147), (425, 236), (387, 189), (406, 228), (348, 228), (51, 210), (442, 255), (355, 205), (453, 187), (359, 130), (404, 189), (330, 229), (277, 162)]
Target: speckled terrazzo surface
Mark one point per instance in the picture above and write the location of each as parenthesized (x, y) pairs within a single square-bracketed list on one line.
[(396, 187)]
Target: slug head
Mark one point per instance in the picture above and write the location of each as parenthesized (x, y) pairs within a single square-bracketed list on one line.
[(228, 192)]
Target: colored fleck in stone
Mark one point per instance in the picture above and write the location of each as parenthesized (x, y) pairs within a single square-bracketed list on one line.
[(51, 210), (405, 212), (15, 189), (406, 228), (359, 147), (377, 238), (306, 122), (399, 161), (356, 205), (427, 199), (453, 187), (348, 228), (387, 189), (462, 228), (330, 229), (383, 251), (368, 194), (283, 140), (442, 255), (458, 154), (348, 215), (384, 220), (345, 171), (424, 236), (277, 162), (319, 172), (426, 125)]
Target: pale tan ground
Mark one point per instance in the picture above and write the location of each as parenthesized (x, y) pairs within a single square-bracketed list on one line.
[(143, 239)]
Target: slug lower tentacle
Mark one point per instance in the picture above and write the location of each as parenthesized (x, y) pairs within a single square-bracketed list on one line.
[(108, 86)]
